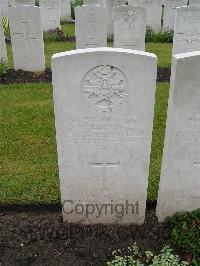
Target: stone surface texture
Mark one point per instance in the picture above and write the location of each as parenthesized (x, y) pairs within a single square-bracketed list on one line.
[(65, 10), (110, 4), (50, 14), (22, 2)]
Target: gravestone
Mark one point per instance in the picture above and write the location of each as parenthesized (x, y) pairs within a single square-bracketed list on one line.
[(170, 12), (94, 2), (22, 2), (50, 14), (110, 4), (194, 2), (129, 27), (3, 53), (4, 5), (104, 120), (187, 30), (179, 182), (154, 14), (27, 38), (137, 2), (65, 10), (90, 26)]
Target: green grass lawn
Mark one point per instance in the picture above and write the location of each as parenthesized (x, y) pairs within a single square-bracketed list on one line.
[(162, 50), (28, 168), (68, 28)]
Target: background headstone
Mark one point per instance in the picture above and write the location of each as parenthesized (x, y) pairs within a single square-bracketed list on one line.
[(3, 53), (4, 5), (129, 27), (94, 2), (65, 10), (22, 2), (179, 182), (110, 4), (194, 2), (104, 120), (50, 14), (187, 30), (170, 12), (154, 14), (90, 26), (27, 38), (136, 2)]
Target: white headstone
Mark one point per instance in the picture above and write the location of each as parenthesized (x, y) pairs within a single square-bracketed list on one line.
[(3, 53), (22, 2), (194, 2), (27, 38), (104, 120), (170, 12), (130, 27), (94, 2), (136, 2), (65, 10), (90, 26), (187, 30), (180, 176), (50, 14), (110, 4), (154, 14), (4, 5)]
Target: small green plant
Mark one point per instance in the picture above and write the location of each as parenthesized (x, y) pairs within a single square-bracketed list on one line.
[(3, 67), (162, 37), (185, 233), (134, 258), (6, 28)]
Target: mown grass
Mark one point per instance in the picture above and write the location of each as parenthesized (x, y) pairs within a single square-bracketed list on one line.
[(28, 168), (68, 28)]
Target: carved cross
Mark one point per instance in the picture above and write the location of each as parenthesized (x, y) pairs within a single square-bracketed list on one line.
[(105, 165)]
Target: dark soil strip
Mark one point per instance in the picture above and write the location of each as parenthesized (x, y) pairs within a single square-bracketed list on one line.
[(150, 205), (43, 239), (20, 76)]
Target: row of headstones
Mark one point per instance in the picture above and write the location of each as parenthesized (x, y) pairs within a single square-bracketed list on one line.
[(104, 121), (91, 31), (52, 11), (129, 27)]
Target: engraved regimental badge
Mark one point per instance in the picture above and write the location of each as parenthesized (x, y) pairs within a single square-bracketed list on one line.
[(105, 88)]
